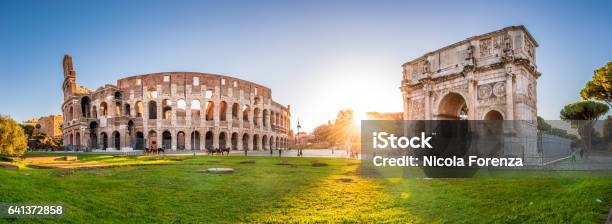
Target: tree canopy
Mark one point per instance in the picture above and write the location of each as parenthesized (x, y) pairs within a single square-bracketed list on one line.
[(13, 141), (600, 87), (583, 110)]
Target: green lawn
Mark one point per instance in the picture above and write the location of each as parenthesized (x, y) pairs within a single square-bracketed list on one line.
[(270, 193)]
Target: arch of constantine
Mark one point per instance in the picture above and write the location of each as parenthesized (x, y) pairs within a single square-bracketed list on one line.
[(174, 111), (486, 77)]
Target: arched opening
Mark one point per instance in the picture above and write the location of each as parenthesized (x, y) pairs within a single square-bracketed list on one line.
[(116, 140), (195, 140), (181, 109), (208, 140), (234, 141), (77, 141), (152, 140), (180, 140), (223, 111), (264, 141), (195, 110), (139, 141), (70, 114), (265, 117), (245, 113), (127, 110), (245, 141), (166, 109), (256, 101), (166, 140), (210, 110), (255, 142), (452, 107), (103, 109), (256, 117), (139, 109), (152, 109), (222, 140), (85, 106), (104, 141), (93, 135), (130, 130), (276, 142), (235, 108), (493, 115), (272, 146), (118, 96), (117, 109)]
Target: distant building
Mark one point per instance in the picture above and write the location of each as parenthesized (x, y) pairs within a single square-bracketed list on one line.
[(50, 125)]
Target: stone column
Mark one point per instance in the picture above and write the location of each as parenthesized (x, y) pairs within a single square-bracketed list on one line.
[(509, 96), (174, 135), (427, 103), (473, 97)]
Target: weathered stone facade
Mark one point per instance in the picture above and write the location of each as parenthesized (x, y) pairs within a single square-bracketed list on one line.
[(486, 77), (175, 111)]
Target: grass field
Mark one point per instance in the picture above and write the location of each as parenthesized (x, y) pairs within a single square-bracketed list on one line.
[(265, 192)]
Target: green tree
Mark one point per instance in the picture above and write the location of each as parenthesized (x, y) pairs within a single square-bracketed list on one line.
[(543, 126), (13, 141), (28, 129), (321, 133), (583, 115), (600, 87)]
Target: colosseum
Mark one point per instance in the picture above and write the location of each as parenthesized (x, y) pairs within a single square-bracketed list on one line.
[(174, 111)]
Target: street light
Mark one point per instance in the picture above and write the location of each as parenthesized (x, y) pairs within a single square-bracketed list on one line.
[(297, 140)]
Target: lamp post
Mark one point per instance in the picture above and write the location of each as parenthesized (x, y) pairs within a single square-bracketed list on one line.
[(297, 140)]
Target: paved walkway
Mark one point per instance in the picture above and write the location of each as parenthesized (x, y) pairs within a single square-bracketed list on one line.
[(318, 153), (592, 163)]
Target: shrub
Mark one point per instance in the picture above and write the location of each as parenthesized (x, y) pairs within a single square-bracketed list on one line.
[(13, 141)]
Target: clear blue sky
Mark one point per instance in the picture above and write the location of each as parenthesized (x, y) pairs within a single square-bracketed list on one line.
[(318, 56)]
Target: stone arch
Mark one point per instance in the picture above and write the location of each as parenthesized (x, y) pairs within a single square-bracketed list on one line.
[(256, 116), (139, 109), (271, 141), (245, 113), (139, 143), (265, 118), (93, 135), (77, 140), (234, 141), (222, 140), (103, 109), (116, 140), (235, 108), (493, 115), (118, 95), (127, 111), (453, 106), (245, 141), (70, 113), (104, 140), (195, 140), (223, 111), (85, 107), (180, 140), (264, 142), (166, 140), (117, 109), (210, 110), (208, 140), (152, 109), (255, 142)]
